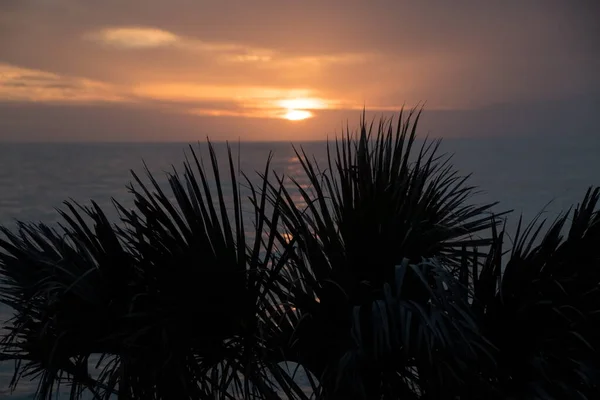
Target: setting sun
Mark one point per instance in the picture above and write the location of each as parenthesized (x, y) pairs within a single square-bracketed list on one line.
[(299, 108), (303, 104), (297, 115)]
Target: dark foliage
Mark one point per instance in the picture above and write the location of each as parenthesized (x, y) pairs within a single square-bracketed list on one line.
[(380, 202), (386, 283), (541, 308), (175, 300)]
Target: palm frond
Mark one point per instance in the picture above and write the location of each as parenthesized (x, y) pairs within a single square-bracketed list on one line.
[(542, 308), (380, 200), (384, 281), (175, 293), (425, 346)]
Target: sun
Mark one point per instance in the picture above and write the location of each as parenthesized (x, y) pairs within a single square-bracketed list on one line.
[(297, 115), (300, 108)]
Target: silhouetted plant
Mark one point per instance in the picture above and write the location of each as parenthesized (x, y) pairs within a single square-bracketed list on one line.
[(378, 203), (374, 284), (177, 300), (541, 309)]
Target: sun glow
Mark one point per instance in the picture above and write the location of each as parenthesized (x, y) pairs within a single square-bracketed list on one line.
[(300, 108), (297, 115), (302, 104)]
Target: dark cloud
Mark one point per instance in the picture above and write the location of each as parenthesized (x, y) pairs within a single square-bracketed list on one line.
[(38, 83), (575, 117), (404, 28), (58, 123)]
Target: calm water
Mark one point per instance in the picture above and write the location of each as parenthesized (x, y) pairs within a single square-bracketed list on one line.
[(523, 174)]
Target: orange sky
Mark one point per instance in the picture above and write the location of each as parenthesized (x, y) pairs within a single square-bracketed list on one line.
[(285, 69)]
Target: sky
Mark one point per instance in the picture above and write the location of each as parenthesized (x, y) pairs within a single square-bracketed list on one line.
[(181, 70)]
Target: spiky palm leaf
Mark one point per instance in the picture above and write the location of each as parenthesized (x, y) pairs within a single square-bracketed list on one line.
[(176, 296), (542, 309), (379, 202), (404, 347), (379, 292), (66, 286)]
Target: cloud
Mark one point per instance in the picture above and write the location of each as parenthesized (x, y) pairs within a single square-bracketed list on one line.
[(126, 122), (247, 101), (223, 121), (191, 91), (22, 84), (146, 38), (19, 84), (325, 60), (134, 38), (128, 38), (241, 113)]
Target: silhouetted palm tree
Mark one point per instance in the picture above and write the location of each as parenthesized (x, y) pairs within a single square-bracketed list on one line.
[(375, 285), (177, 300), (371, 209), (541, 308)]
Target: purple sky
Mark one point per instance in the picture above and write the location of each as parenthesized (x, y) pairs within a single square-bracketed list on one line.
[(183, 69)]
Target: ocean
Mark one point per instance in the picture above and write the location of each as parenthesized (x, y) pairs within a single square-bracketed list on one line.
[(524, 174)]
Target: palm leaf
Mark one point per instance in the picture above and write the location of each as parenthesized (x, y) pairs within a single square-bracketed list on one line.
[(379, 202), (542, 313), (174, 295)]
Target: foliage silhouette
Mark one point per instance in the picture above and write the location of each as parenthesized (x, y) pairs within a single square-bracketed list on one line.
[(176, 299), (387, 283), (541, 308), (372, 208)]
